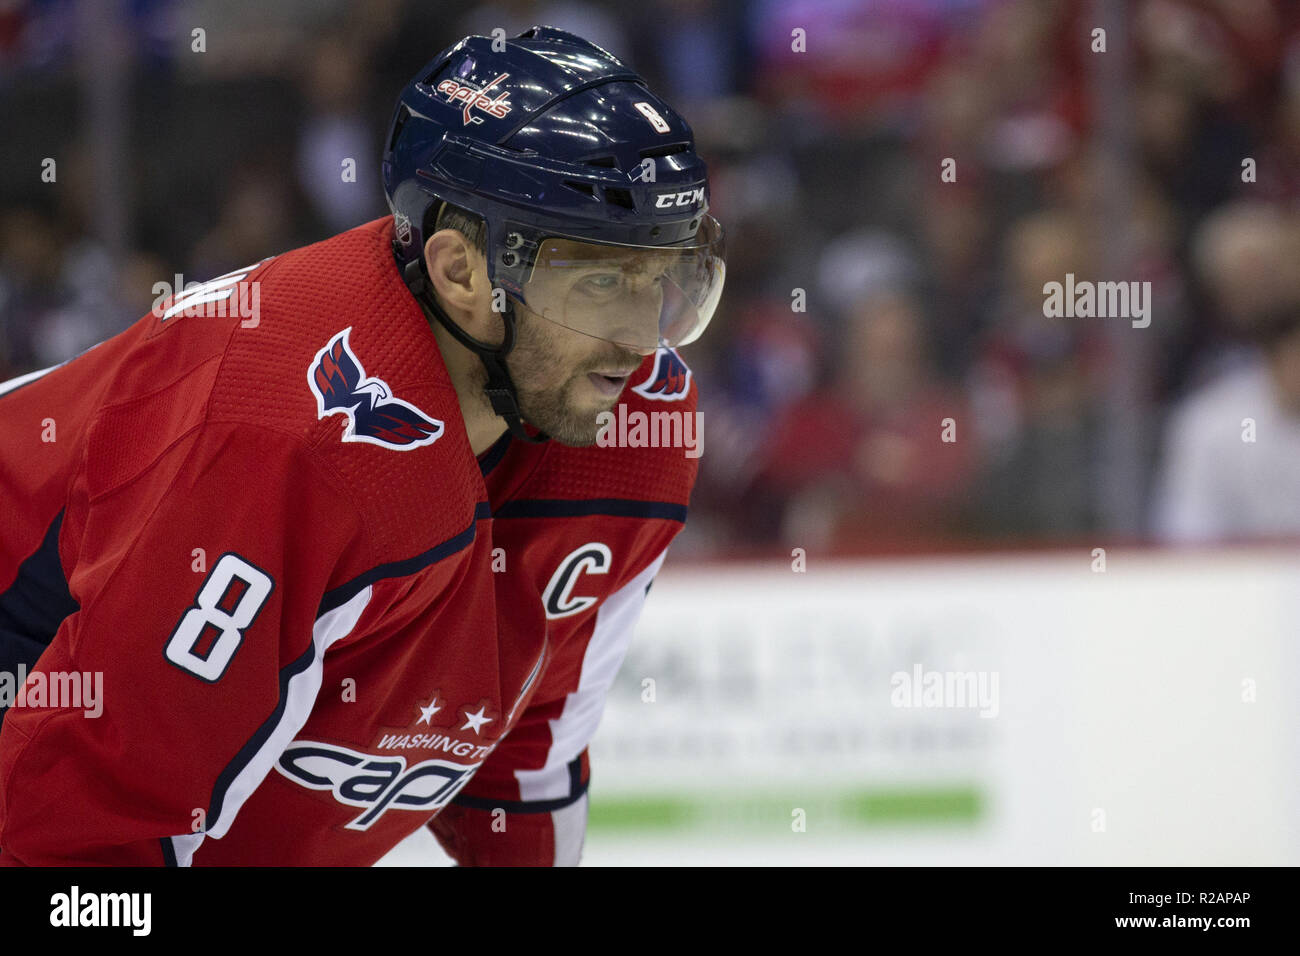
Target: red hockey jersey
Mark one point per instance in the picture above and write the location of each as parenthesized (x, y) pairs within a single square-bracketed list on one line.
[(261, 604)]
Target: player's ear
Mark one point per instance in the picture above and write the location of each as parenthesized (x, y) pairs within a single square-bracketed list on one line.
[(458, 272)]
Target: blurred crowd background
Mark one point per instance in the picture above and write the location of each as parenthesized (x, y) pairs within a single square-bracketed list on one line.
[(1172, 158)]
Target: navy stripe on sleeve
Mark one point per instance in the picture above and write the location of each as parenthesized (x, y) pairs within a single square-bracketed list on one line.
[(398, 569), (576, 789), (34, 605)]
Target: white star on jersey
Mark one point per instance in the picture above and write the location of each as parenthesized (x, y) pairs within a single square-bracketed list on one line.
[(426, 713), (476, 720)]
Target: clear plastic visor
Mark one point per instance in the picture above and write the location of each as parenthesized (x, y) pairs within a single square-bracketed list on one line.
[(638, 297)]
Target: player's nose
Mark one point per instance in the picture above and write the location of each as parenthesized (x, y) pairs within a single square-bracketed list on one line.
[(638, 326)]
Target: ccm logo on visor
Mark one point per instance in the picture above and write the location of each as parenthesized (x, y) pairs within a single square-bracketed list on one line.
[(688, 198)]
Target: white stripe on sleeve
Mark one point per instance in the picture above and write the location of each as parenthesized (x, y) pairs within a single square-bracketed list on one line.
[(571, 732)]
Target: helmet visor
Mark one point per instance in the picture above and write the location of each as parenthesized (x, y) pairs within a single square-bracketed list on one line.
[(638, 297)]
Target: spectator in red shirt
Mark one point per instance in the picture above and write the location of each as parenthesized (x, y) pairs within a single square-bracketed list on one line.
[(864, 465)]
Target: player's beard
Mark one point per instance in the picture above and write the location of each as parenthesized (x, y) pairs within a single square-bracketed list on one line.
[(554, 395)]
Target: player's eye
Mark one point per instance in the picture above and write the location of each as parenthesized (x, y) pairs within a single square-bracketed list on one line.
[(606, 286), (600, 284)]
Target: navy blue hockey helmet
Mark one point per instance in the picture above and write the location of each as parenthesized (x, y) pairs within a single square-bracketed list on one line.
[(594, 200)]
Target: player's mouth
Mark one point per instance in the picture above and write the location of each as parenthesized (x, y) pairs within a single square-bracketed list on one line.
[(610, 385)]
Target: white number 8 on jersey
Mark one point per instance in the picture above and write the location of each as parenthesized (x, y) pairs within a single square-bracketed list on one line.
[(208, 614)]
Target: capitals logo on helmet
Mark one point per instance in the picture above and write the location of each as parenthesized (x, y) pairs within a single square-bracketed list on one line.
[(669, 380), (342, 387)]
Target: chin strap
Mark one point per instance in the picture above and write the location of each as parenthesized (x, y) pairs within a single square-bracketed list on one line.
[(500, 389)]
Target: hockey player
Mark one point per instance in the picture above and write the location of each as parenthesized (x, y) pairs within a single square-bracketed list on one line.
[(355, 564)]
